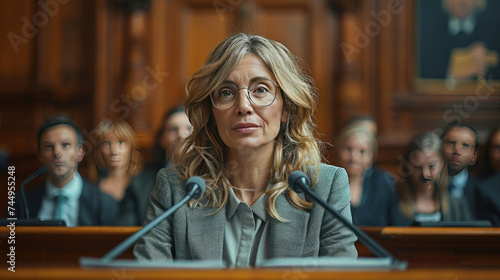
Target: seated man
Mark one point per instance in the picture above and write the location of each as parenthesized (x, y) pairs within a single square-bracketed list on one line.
[(460, 143), (65, 195)]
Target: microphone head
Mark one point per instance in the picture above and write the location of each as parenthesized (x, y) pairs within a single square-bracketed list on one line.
[(197, 184), (297, 181)]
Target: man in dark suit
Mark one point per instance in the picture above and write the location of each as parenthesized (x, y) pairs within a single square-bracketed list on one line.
[(460, 148), (65, 195), (455, 40), (488, 199)]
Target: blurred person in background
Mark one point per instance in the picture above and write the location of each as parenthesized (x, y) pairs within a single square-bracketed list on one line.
[(174, 128), (418, 200), (116, 156), (371, 188)]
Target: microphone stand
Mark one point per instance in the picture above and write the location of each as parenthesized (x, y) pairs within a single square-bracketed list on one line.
[(195, 187), (122, 247), (376, 248), (299, 182), (23, 195)]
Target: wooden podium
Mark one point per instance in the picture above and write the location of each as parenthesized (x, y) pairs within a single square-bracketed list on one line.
[(432, 253)]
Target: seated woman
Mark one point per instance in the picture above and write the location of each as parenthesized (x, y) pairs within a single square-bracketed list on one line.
[(371, 188), (175, 127), (424, 162), (251, 109), (116, 156)]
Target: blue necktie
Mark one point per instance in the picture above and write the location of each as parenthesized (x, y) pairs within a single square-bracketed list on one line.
[(58, 213)]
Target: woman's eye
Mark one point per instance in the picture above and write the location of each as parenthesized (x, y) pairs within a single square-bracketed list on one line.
[(225, 93), (261, 90)]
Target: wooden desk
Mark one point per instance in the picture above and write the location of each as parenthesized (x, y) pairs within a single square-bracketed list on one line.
[(443, 246), (422, 247), (63, 246), (68, 273)]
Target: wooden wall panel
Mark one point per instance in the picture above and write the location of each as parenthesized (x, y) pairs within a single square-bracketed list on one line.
[(17, 48), (84, 62)]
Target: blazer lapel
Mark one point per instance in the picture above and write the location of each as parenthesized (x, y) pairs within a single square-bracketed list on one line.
[(287, 239), (205, 233)]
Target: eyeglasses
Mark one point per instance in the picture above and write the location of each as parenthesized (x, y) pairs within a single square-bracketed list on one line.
[(261, 93)]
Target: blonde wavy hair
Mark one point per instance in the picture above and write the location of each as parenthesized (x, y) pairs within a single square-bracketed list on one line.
[(123, 131), (296, 146), (428, 141)]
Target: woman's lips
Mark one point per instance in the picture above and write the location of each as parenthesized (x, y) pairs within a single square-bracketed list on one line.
[(245, 127)]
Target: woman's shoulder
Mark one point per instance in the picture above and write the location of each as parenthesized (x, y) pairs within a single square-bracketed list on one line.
[(333, 184), (168, 180), (329, 172)]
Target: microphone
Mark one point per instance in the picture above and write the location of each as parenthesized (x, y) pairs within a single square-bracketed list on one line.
[(25, 220), (195, 188), (299, 182), (23, 195)]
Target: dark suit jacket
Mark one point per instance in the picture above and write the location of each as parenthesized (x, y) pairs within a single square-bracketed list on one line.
[(136, 200), (470, 193), (96, 207), (198, 233), (436, 43), (376, 205), (488, 199)]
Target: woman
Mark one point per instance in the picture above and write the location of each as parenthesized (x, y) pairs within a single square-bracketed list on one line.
[(371, 188), (251, 108), (116, 156), (175, 127), (418, 198)]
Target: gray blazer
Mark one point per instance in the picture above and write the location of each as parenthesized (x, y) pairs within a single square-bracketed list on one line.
[(194, 234)]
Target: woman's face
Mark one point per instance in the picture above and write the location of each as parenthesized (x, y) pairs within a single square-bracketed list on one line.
[(426, 164), (177, 127), (356, 155), (495, 151), (115, 152), (245, 126)]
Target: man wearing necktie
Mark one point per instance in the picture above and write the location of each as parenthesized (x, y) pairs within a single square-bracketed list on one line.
[(457, 42), (460, 148), (65, 195)]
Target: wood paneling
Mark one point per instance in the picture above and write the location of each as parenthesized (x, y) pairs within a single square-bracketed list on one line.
[(86, 59)]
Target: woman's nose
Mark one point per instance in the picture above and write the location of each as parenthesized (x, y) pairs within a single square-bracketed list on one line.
[(243, 104)]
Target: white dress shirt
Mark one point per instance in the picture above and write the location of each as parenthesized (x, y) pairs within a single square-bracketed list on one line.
[(72, 191)]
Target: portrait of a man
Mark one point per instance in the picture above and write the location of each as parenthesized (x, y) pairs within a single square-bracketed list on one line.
[(458, 41)]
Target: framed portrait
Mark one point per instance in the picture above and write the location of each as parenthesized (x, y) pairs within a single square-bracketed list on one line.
[(457, 45)]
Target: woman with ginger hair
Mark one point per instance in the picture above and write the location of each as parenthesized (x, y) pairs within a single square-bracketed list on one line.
[(116, 156)]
